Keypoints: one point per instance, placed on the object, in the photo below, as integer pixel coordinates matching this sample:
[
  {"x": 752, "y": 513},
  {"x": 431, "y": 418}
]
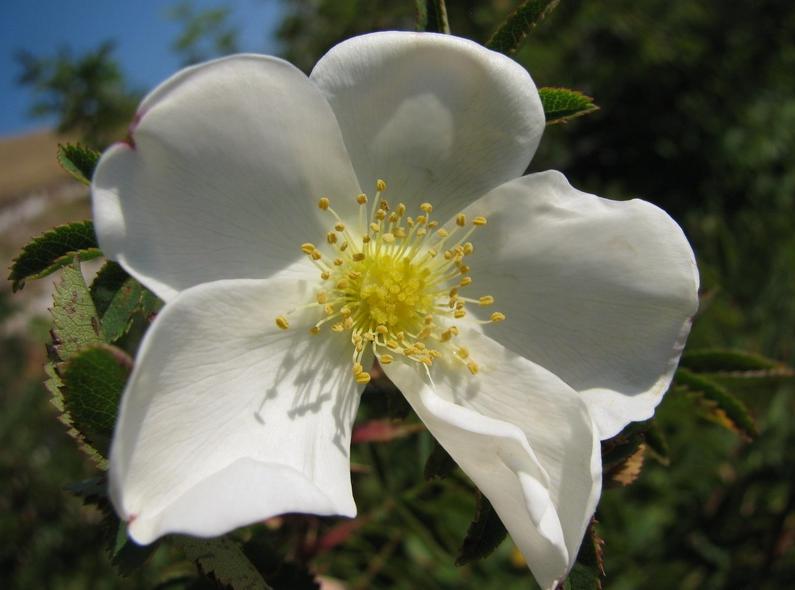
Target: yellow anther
[
  {"x": 433, "y": 224},
  {"x": 428, "y": 320},
  {"x": 343, "y": 246},
  {"x": 427, "y": 207},
  {"x": 463, "y": 269},
  {"x": 363, "y": 377},
  {"x": 442, "y": 233},
  {"x": 399, "y": 232},
  {"x": 357, "y": 368},
  {"x": 331, "y": 237},
  {"x": 325, "y": 275},
  {"x": 380, "y": 185},
  {"x": 421, "y": 219},
  {"x": 365, "y": 239},
  {"x": 461, "y": 220},
  {"x": 497, "y": 316},
  {"x": 354, "y": 275},
  {"x": 473, "y": 367},
  {"x": 448, "y": 254},
  {"x": 361, "y": 199},
  {"x": 468, "y": 248},
  {"x": 359, "y": 256},
  {"x": 394, "y": 217},
  {"x": 385, "y": 359},
  {"x": 454, "y": 330},
  {"x": 314, "y": 330},
  {"x": 479, "y": 220},
  {"x": 328, "y": 309},
  {"x": 465, "y": 281},
  {"x": 453, "y": 292},
  {"x": 486, "y": 300},
  {"x": 446, "y": 335},
  {"x": 459, "y": 313},
  {"x": 462, "y": 352},
  {"x": 374, "y": 227},
  {"x": 338, "y": 262},
  {"x": 381, "y": 329},
  {"x": 342, "y": 284},
  {"x": 323, "y": 203},
  {"x": 391, "y": 344},
  {"x": 338, "y": 327},
  {"x": 316, "y": 255},
  {"x": 348, "y": 323},
  {"x": 388, "y": 238},
  {"x": 282, "y": 322},
  {"x": 339, "y": 226},
  {"x": 345, "y": 311},
  {"x": 321, "y": 297},
  {"x": 401, "y": 209},
  {"x": 383, "y": 205},
  {"x": 307, "y": 248},
  {"x": 380, "y": 215}
]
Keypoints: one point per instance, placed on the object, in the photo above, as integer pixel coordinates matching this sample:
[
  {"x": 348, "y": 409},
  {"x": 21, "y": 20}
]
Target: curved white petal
[
  {"x": 222, "y": 174},
  {"x": 440, "y": 118},
  {"x": 227, "y": 419},
  {"x": 599, "y": 292},
  {"x": 526, "y": 440}
]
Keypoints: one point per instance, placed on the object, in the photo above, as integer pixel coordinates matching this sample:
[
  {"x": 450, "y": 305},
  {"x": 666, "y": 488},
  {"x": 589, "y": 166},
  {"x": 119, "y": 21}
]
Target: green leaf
[
  {"x": 484, "y": 535},
  {"x": 108, "y": 281},
  {"x": 78, "y": 160},
  {"x": 93, "y": 381},
  {"x": 75, "y": 322},
  {"x": 722, "y": 406},
  {"x": 736, "y": 362},
  {"x": 432, "y": 16},
  {"x": 439, "y": 464},
  {"x": 52, "y": 250},
  {"x": 224, "y": 561},
  {"x": 563, "y": 104},
  {"x": 128, "y": 556},
  {"x": 657, "y": 443},
  {"x": 518, "y": 25},
  {"x": 118, "y": 316}
]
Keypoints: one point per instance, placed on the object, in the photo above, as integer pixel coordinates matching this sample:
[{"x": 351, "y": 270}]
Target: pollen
[{"x": 396, "y": 285}]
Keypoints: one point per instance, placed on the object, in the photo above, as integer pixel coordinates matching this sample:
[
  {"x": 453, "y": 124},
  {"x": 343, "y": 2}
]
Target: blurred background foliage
[{"x": 698, "y": 116}]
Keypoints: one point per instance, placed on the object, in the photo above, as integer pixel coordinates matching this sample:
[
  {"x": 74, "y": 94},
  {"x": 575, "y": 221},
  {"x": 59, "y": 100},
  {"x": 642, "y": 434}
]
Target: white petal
[
  {"x": 526, "y": 440},
  {"x": 599, "y": 292},
  {"x": 228, "y": 420},
  {"x": 227, "y": 162},
  {"x": 439, "y": 118}
]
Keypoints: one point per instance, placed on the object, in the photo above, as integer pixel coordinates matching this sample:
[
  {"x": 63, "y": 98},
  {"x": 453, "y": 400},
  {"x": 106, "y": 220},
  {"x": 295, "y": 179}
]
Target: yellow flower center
[{"x": 395, "y": 283}]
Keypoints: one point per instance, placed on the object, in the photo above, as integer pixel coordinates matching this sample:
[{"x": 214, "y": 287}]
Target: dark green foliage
[
  {"x": 484, "y": 535},
  {"x": 432, "y": 16},
  {"x": 92, "y": 383},
  {"x": 86, "y": 92},
  {"x": 108, "y": 281},
  {"x": 512, "y": 33},
  {"x": 53, "y": 250},
  {"x": 78, "y": 160},
  {"x": 439, "y": 464},
  {"x": 117, "y": 319},
  {"x": 720, "y": 361},
  {"x": 562, "y": 104},
  {"x": 223, "y": 560},
  {"x": 206, "y": 33}
]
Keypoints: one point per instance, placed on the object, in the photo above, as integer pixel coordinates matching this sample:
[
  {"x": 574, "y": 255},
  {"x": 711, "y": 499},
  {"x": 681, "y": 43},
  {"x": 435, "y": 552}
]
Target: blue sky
[{"x": 141, "y": 29}]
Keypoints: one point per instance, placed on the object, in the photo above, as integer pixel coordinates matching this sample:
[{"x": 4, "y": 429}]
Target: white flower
[{"x": 229, "y": 201}]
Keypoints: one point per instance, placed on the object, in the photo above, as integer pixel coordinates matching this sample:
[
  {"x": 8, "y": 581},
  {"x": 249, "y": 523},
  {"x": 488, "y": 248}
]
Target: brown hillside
[{"x": 27, "y": 164}]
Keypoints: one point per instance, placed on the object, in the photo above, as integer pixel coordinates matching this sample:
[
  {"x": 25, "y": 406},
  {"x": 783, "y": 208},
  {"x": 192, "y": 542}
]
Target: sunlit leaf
[
  {"x": 52, "y": 250},
  {"x": 222, "y": 560},
  {"x": 78, "y": 160},
  {"x": 75, "y": 321},
  {"x": 563, "y": 104},
  {"x": 484, "y": 535},
  {"x": 509, "y": 37},
  {"x": 118, "y": 316},
  {"x": 724, "y": 408},
  {"x": 108, "y": 281}
]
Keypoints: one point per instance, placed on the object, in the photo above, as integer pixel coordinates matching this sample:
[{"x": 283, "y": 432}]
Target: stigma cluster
[{"x": 395, "y": 283}]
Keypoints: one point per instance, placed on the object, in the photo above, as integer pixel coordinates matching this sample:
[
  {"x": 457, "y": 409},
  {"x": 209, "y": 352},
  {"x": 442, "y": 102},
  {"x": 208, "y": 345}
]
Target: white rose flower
[{"x": 522, "y": 319}]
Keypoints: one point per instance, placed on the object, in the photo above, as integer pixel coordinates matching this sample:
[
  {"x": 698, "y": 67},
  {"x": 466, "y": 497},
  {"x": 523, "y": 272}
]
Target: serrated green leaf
[
  {"x": 432, "y": 16},
  {"x": 621, "y": 447},
  {"x": 52, "y": 250},
  {"x": 274, "y": 568},
  {"x": 108, "y": 281},
  {"x": 439, "y": 464},
  {"x": 78, "y": 160},
  {"x": 657, "y": 443},
  {"x": 118, "y": 317},
  {"x": 223, "y": 560},
  {"x": 128, "y": 556},
  {"x": 563, "y": 104},
  {"x": 724, "y": 407},
  {"x": 75, "y": 322},
  {"x": 484, "y": 535},
  {"x": 512, "y": 33},
  {"x": 93, "y": 381}
]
